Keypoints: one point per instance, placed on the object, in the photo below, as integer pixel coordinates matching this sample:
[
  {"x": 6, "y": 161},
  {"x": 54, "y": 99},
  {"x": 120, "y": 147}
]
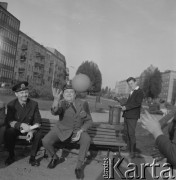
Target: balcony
[
  {"x": 24, "y": 47},
  {"x": 39, "y": 70},
  {"x": 21, "y": 70},
  {"x": 23, "y": 58},
  {"x": 39, "y": 55},
  {"x": 39, "y": 65}
]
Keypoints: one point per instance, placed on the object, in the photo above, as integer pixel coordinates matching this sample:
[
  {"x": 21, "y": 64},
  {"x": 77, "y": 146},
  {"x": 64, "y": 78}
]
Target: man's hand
[
  {"x": 151, "y": 124},
  {"x": 25, "y": 128},
  {"x": 56, "y": 93},
  {"x": 123, "y": 108},
  {"x": 35, "y": 126},
  {"x": 12, "y": 124},
  {"x": 29, "y": 136},
  {"x": 83, "y": 114},
  {"x": 77, "y": 137}
]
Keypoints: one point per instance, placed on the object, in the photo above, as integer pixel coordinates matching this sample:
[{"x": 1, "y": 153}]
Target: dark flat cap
[
  {"x": 68, "y": 85},
  {"x": 21, "y": 86}
]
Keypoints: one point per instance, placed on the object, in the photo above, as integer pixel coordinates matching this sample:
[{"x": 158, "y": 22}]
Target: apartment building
[
  {"x": 9, "y": 30},
  {"x": 168, "y": 91},
  {"x": 60, "y": 73},
  {"x": 37, "y": 64}
]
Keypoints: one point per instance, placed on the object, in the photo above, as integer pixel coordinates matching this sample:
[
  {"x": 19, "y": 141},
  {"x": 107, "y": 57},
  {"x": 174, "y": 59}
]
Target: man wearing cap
[
  {"x": 23, "y": 117},
  {"x": 74, "y": 120}
]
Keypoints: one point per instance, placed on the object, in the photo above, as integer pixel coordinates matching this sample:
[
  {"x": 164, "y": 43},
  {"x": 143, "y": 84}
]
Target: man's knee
[
  {"x": 85, "y": 138},
  {"x": 45, "y": 141}
]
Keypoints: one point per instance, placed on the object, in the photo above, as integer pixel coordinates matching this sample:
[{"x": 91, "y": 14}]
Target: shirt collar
[{"x": 136, "y": 88}]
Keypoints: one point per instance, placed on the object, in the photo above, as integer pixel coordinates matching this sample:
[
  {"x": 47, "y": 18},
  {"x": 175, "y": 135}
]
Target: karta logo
[{"x": 113, "y": 167}]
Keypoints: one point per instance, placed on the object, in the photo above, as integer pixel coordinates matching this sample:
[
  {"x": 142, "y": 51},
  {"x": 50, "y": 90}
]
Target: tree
[
  {"x": 92, "y": 71},
  {"x": 151, "y": 83}
]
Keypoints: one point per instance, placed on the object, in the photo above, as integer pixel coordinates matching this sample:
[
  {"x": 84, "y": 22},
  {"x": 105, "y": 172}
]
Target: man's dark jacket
[
  {"x": 71, "y": 120},
  {"x": 133, "y": 105},
  {"x": 29, "y": 114}
]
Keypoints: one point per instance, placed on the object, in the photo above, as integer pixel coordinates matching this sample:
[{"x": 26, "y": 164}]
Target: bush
[
  {"x": 34, "y": 93},
  {"x": 81, "y": 95}
]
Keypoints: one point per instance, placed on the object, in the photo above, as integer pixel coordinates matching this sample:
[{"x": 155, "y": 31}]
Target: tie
[
  {"x": 73, "y": 107},
  {"x": 23, "y": 105}
]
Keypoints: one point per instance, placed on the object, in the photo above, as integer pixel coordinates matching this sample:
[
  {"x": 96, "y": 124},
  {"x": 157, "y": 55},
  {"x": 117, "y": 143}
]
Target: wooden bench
[{"x": 103, "y": 135}]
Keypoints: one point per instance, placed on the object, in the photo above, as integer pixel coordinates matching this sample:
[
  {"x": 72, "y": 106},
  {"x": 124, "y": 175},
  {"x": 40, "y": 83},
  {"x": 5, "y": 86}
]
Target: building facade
[
  {"x": 37, "y": 64},
  {"x": 60, "y": 71},
  {"x": 168, "y": 91},
  {"x": 9, "y": 30}
]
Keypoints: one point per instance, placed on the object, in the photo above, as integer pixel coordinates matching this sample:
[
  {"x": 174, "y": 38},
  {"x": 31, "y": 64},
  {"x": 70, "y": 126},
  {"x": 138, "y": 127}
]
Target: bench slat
[{"x": 122, "y": 144}]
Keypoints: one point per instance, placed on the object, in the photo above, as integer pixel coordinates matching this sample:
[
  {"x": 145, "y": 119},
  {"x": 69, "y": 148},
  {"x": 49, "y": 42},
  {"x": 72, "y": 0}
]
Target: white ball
[{"x": 81, "y": 83}]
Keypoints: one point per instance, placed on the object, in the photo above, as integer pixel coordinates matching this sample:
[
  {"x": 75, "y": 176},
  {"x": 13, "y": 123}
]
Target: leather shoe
[
  {"x": 9, "y": 161},
  {"x": 53, "y": 163},
  {"x": 33, "y": 162},
  {"x": 79, "y": 173}
]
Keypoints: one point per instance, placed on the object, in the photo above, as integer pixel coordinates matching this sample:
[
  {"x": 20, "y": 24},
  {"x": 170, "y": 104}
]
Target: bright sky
[{"x": 123, "y": 37}]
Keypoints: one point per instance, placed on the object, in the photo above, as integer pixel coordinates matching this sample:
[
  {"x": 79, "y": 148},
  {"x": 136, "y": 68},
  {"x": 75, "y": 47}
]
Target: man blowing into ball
[{"x": 74, "y": 120}]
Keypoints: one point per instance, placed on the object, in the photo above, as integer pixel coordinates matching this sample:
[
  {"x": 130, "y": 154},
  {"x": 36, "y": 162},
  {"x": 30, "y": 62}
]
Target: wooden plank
[
  {"x": 121, "y": 144},
  {"x": 49, "y": 120},
  {"x": 105, "y": 136},
  {"x": 102, "y": 129},
  {"x": 107, "y": 139},
  {"x": 102, "y": 134}
]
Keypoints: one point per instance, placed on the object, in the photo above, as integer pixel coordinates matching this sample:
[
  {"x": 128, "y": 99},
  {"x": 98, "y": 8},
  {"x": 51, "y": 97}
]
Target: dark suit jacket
[
  {"x": 133, "y": 105},
  {"x": 2, "y": 113},
  {"x": 29, "y": 114},
  {"x": 70, "y": 120}
]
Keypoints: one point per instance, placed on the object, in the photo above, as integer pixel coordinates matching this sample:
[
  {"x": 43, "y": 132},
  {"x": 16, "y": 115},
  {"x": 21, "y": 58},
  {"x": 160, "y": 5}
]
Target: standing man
[
  {"x": 23, "y": 117},
  {"x": 74, "y": 120},
  {"x": 2, "y": 121},
  {"x": 131, "y": 113}
]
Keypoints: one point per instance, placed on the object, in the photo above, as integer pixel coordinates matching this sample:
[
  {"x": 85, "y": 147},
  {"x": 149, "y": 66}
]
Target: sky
[{"x": 123, "y": 37}]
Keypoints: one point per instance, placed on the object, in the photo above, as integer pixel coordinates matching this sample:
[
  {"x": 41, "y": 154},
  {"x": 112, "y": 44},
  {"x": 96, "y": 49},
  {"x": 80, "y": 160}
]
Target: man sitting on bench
[
  {"x": 74, "y": 120},
  {"x": 23, "y": 117}
]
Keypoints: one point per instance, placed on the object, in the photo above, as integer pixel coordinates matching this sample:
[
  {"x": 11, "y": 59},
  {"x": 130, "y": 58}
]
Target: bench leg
[
  {"x": 108, "y": 153},
  {"x": 119, "y": 151}
]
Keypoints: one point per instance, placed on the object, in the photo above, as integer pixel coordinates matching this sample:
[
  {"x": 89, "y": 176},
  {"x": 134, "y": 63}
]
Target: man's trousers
[
  {"x": 129, "y": 132},
  {"x": 51, "y": 138},
  {"x": 10, "y": 138}
]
